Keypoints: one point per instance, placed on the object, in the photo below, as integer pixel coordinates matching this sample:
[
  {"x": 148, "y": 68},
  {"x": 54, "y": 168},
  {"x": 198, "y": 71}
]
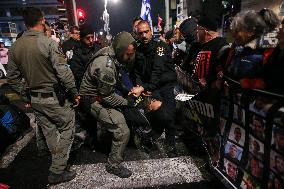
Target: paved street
[
  {"x": 152, "y": 170},
  {"x": 22, "y": 168}
]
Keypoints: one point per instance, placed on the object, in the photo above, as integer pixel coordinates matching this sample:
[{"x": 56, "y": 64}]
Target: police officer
[
  {"x": 98, "y": 89},
  {"x": 155, "y": 73},
  {"x": 39, "y": 61}
]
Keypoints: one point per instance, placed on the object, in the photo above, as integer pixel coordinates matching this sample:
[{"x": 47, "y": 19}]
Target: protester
[
  {"x": 247, "y": 28},
  {"x": 188, "y": 32},
  {"x": 37, "y": 58}
]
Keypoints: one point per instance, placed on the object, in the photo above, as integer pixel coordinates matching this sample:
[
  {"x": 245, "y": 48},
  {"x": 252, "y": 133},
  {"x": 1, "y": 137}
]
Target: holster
[{"x": 60, "y": 92}]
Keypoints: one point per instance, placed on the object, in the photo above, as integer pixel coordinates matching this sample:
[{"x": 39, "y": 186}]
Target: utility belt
[{"x": 42, "y": 94}]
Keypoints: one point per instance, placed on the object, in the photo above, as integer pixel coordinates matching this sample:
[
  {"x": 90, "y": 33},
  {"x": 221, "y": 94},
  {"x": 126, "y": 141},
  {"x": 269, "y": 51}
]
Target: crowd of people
[{"x": 86, "y": 83}]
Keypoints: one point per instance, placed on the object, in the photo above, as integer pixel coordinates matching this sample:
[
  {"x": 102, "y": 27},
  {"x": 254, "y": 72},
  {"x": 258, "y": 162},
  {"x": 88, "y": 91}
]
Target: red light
[{"x": 80, "y": 13}]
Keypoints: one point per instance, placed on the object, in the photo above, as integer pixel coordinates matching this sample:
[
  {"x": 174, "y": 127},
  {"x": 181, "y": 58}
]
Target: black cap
[
  {"x": 209, "y": 22},
  {"x": 169, "y": 34},
  {"x": 86, "y": 29},
  {"x": 188, "y": 29}
]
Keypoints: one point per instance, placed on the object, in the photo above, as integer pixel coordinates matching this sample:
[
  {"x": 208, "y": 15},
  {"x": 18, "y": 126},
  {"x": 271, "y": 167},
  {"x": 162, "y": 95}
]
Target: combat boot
[
  {"x": 67, "y": 175},
  {"x": 119, "y": 171}
]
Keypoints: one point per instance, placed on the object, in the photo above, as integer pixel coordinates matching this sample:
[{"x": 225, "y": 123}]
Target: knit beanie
[{"x": 85, "y": 30}]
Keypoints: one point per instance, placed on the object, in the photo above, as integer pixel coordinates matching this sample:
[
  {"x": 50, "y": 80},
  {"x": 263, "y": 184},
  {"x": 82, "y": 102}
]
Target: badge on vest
[{"x": 160, "y": 51}]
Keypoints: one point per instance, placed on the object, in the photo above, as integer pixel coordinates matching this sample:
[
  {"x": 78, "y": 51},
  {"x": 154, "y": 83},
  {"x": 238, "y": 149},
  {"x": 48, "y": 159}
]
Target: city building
[{"x": 11, "y": 10}]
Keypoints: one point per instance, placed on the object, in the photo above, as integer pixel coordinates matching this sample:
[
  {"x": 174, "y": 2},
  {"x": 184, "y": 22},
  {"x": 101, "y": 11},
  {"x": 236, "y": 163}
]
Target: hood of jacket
[{"x": 120, "y": 44}]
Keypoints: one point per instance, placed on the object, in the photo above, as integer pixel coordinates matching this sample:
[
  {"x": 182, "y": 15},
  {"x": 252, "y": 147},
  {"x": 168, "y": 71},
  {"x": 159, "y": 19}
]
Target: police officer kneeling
[
  {"x": 98, "y": 88},
  {"x": 38, "y": 59}
]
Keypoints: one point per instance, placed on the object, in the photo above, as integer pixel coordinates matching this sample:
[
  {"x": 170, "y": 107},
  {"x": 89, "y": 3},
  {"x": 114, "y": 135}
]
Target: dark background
[{"x": 121, "y": 13}]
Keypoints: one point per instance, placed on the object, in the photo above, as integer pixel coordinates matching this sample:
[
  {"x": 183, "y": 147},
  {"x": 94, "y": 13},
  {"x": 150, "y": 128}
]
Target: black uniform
[
  {"x": 80, "y": 61},
  {"x": 155, "y": 71},
  {"x": 70, "y": 44}
]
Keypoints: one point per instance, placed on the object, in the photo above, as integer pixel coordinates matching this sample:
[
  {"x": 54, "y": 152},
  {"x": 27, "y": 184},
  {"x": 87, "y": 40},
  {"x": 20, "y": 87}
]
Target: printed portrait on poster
[
  {"x": 239, "y": 114},
  {"x": 277, "y": 140},
  {"x": 257, "y": 125},
  {"x": 274, "y": 182},
  {"x": 277, "y": 164},
  {"x": 233, "y": 151},
  {"x": 231, "y": 169},
  {"x": 256, "y": 147},
  {"x": 237, "y": 134},
  {"x": 255, "y": 166},
  {"x": 248, "y": 182},
  {"x": 258, "y": 106}
]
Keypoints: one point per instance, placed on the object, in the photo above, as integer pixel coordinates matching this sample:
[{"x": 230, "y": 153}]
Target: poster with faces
[
  {"x": 231, "y": 169},
  {"x": 277, "y": 141},
  {"x": 257, "y": 125},
  {"x": 237, "y": 134},
  {"x": 258, "y": 106},
  {"x": 239, "y": 114},
  {"x": 256, "y": 148},
  {"x": 255, "y": 166},
  {"x": 237, "y": 98},
  {"x": 224, "y": 109},
  {"x": 222, "y": 125},
  {"x": 233, "y": 151},
  {"x": 248, "y": 182},
  {"x": 277, "y": 164}
]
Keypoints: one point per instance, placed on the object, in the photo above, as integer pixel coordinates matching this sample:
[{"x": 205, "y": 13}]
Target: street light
[{"x": 106, "y": 19}]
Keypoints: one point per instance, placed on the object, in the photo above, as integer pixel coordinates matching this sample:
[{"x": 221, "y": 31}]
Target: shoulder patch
[{"x": 160, "y": 51}]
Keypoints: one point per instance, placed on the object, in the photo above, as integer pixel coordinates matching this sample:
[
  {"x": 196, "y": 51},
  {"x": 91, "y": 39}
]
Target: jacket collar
[{"x": 32, "y": 32}]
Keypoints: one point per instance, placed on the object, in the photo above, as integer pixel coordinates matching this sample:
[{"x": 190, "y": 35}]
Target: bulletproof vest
[{"x": 36, "y": 68}]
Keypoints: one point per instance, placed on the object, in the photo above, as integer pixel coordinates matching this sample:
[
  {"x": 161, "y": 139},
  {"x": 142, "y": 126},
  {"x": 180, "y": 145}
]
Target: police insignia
[{"x": 160, "y": 51}]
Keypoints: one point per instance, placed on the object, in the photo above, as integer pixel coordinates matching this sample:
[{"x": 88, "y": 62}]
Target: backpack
[{"x": 14, "y": 123}]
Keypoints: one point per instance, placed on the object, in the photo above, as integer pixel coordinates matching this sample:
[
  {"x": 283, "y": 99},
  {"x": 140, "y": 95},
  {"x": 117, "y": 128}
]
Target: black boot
[
  {"x": 63, "y": 177},
  {"x": 119, "y": 171}
]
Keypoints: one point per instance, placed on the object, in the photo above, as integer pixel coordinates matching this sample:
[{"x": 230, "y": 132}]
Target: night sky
[{"x": 121, "y": 13}]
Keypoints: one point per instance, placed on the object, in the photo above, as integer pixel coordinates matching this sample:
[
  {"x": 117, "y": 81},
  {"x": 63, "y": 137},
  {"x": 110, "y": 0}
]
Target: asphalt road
[{"x": 21, "y": 168}]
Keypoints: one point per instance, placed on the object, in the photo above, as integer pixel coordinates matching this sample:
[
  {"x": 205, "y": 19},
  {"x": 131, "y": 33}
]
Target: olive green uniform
[
  {"x": 40, "y": 62},
  {"x": 99, "y": 82}
]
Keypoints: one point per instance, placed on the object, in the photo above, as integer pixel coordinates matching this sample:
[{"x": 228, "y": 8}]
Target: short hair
[
  {"x": 137, "y": 18},
  {"x": 32, "y": 16},
  {"x": 72, "y": 28},
  {"x": 256, "y": 22},
  {"x": 144, "y": 22},
  {"x": 2, "y": 43}
]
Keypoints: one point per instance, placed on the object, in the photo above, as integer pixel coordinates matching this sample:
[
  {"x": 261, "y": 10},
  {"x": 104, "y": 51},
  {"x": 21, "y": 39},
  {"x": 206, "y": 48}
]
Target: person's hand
[
  {"x": 154, "y": 105},
  {"x": 76, "y": 101},
  {"x": 136, "y": 91}
]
